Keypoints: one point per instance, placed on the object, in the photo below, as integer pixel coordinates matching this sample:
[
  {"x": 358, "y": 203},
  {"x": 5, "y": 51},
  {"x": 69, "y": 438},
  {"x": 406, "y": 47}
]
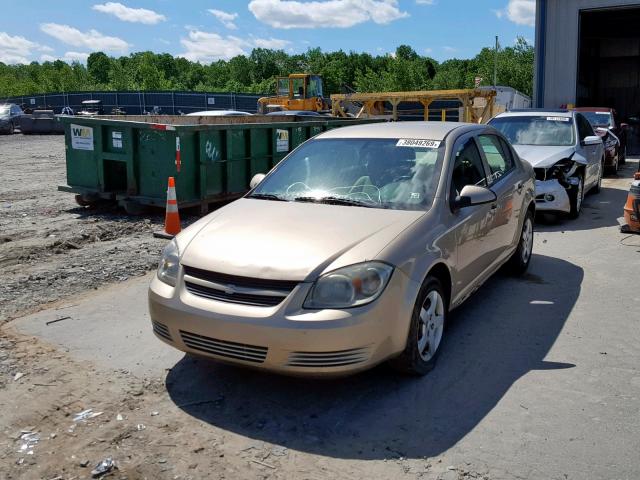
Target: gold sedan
[{"x": 350, "y": 252}]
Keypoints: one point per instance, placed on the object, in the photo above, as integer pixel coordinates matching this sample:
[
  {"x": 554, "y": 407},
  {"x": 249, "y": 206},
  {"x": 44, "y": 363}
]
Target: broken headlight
[{"x": 561, "y": 171}]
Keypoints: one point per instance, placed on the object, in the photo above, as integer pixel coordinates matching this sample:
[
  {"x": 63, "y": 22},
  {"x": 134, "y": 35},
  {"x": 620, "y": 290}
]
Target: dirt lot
[
  {"x": 546, "y": 386},
  {"x": 51, "y": 248}
]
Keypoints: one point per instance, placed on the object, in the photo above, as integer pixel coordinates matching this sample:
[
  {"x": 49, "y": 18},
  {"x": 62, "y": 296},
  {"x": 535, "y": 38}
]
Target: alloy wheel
[
  {"x": 527, "y": 240},
  {"x": 580, "y": 193},
  {"x": 430, "y": 325}
]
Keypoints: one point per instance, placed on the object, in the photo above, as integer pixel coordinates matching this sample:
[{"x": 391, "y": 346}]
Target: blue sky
[{"x": 207, "y": 30}]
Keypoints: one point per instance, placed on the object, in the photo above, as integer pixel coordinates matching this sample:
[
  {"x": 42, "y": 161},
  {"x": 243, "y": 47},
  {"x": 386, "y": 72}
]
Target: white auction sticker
[
  {"x": 558, "y": 119},
  {"x": 412, "y": 142}
]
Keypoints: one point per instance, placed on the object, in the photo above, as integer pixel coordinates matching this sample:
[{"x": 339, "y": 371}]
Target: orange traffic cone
[{"x": 172, "y": 217}]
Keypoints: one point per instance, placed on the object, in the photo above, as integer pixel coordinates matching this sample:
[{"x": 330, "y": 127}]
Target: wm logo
[{"x": 81, "y": 132}]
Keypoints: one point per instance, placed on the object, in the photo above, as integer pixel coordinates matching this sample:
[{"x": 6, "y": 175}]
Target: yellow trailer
[{"x": 478, "y": 105}]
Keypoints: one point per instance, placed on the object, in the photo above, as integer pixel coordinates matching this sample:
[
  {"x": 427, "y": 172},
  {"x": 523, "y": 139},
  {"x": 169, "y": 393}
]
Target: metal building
[{"x": 588, "y": 54}]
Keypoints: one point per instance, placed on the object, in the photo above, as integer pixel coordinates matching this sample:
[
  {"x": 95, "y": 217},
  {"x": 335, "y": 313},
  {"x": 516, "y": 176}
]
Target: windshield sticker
[
  {"x": 411, "y": 142},
  {"x": 558, "y": 119}
]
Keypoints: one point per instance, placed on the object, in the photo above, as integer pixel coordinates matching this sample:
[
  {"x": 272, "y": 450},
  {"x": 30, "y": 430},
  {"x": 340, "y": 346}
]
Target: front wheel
[
  {"x": 426, "y": 331},
  {"x": 519, "y": 261},
  {"x": 576, "y": 196}
]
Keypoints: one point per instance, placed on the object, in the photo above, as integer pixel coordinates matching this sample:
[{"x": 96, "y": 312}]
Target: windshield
[
  {"x": 598, "y": 119},
  {"x": 536, "y": 130},
  {"x": 315, "y": 87},
  {"x": 377, "y": 173}
]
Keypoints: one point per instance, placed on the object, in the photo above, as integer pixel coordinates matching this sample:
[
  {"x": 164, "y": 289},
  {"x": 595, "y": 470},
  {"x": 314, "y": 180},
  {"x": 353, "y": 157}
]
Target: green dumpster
[{"x": 128, "y": 159}]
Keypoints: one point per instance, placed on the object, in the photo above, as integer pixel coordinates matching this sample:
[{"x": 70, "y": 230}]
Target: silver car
[
  {"x": 350, "y": 252},
  {"x": 567, "y": 155}
]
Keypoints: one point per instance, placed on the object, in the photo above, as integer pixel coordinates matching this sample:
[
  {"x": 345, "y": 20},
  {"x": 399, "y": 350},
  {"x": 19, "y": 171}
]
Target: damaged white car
[{"x": 566, "y": 154}]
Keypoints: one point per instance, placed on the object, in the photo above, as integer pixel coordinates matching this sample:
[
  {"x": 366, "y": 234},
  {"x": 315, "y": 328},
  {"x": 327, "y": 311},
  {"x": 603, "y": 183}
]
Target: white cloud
[
  {"x": 325, "y": 13},
  {"x": 127, "y": 14},
  {"x": 225, "y": 18},
  {"x": 272, "y": 43},
  {"x": 92, "y": 39},
  {"x": 75, "y": 57},
  {"x": 426, "y": 2},
  {"x": 208, "y": 47},
  {"x": 449, "y": 49},
  {"x": 68, "y": 57},
  {"x": 522, "y": 12},
  {"x": 16, "y": 49}
]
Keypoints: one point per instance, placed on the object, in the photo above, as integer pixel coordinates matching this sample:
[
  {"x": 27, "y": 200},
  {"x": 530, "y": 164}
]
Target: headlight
[
  {"x": 349, "y": 286},
  {"x": 562, "y": 170},
  {"x": 169, "y": 264}
]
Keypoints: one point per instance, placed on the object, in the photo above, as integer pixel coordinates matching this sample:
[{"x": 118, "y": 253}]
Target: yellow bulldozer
[{"x": 298, "y": 91}]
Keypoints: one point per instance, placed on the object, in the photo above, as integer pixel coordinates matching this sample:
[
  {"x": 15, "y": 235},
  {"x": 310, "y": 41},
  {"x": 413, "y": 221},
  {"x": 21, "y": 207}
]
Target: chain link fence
[{"x": 140, "y": 103}]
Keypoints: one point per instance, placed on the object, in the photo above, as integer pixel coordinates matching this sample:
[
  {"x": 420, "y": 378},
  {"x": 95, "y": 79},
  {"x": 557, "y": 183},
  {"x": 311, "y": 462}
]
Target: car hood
[
  {"x": 543, "y": 157},
  {"x": 289, "y": 240}
]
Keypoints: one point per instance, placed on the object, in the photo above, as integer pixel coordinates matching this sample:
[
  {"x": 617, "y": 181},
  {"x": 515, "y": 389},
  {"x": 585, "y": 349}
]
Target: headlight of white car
[
  {"x": 349, "y": 286},
  {"x": 169, "y": 264}
]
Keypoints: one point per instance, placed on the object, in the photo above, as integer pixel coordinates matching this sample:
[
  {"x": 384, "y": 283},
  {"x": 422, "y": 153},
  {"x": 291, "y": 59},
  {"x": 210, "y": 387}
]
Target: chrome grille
[
  {"x": 161, "y": 330},
  {"x": 328, "y": 359},
  {"x": 222, "y": 348},
  {"x": 234, "y": 289}
]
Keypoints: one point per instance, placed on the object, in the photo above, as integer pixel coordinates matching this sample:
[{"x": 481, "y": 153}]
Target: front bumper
[
  {"x": 286, "y": 338},
  {"x": 552, "y": 196}
]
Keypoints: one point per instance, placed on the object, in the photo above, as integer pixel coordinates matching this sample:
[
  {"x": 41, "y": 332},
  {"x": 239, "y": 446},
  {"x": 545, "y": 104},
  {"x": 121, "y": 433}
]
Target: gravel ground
[{"x": 50, "y": 247}]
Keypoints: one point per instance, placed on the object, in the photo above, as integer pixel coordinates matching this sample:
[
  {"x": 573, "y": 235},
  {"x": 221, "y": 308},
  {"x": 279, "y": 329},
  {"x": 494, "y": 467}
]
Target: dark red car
[{"x": 606, "y": 124}]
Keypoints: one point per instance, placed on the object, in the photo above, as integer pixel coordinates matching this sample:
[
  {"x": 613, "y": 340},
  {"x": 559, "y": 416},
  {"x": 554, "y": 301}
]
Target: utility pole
[{"x": 495, "y": 64}]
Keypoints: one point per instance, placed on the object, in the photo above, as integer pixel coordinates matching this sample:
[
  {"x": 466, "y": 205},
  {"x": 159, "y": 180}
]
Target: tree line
[{"x": 405, "y": 70}]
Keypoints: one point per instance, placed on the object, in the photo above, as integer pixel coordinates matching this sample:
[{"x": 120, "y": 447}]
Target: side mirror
[
  {"x": 474, "y": 195},
  {"x": 624, "y": 126},
  {"x": 257, "y": 178},
  {"x": 592, "y": 140}
]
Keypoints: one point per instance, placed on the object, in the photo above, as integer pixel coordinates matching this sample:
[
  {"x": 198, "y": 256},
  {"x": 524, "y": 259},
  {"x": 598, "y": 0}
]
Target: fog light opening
[{"x": 549, "y": 198}]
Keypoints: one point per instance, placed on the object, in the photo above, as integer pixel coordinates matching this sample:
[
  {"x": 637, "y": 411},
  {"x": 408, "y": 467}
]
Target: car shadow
[
  {"x": 598, "y": 211},
  {"x": 493, "y": 339}
]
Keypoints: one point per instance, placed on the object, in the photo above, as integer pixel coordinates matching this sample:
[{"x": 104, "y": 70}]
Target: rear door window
[{"x": 499, "y": 161}]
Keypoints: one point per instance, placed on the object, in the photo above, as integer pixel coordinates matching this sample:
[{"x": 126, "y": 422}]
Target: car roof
[
  {"x": 536, "y": 112},
  {"x": 217, "y": 113},
  {"x": 412, "y": 130},
  {"x": 594, "y": 109}
]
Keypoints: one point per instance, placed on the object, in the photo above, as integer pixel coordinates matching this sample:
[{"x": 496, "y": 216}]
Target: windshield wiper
[
  {"x": 267, "y": 196},
  {"x": 334, "y": 201}
]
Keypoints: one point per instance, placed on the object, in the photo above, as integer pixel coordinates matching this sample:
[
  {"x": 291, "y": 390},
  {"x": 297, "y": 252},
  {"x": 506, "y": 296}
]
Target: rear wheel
[
  {"x": 12, "y": 128},
  {"x": 519, "y": 261},
  {"x": 426, "y": 331},
  {"x": 576, "y": 196}
]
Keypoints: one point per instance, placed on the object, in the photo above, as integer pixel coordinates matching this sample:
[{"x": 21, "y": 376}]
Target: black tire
[
  {"x": 613, "y": 169},
  {"x": 622, "y": 155},
  {"x": 12, "y": 128},
  {"x": 84, "y": 201},
  {"x": 519, "y": 261},
  {"x": 576, "y": 196},
  {"x": 411, "y": 361},
  {"x": 135, "y": 209},
  {"x": 598, "y": 186}
]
